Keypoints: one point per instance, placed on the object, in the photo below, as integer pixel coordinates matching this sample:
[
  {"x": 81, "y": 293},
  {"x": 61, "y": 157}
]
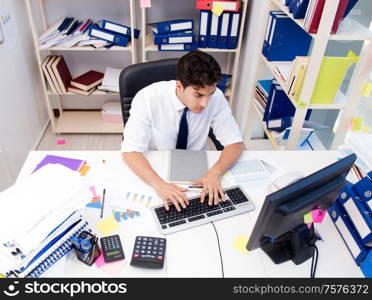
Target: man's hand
[
  {"x": 171, "y": 192},
  {"x": 212, "y": 187}
]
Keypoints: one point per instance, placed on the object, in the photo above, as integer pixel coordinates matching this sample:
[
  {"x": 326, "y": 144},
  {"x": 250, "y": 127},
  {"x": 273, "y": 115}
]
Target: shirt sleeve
[
  {"x": 224, "y": 125},
  {"x": 137, "y": 130}
]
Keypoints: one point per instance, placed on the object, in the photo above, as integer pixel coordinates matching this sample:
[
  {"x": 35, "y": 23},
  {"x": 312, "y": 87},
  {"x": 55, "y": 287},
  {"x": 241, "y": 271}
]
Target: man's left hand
[{"x": 212, "y": 187}]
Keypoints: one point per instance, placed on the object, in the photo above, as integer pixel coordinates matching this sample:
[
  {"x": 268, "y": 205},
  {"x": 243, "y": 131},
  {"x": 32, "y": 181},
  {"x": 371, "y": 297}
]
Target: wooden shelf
[
  {"x": 85, "y": 122},
  {"x": 349, "y": 29},
  {"x": 128, "y": 48},
  {"x": 338, "y": 103},
  {"x": 151, "y": 47},
  {"x": 95, "y": 93}
]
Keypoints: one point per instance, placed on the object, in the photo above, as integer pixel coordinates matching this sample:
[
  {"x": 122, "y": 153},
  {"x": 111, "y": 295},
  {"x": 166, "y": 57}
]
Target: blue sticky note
[{"x": 94, "y": 204}]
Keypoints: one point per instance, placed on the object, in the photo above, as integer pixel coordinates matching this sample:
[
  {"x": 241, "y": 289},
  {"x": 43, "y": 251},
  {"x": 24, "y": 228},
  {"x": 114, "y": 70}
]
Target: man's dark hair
[{"x": 198, "y": 69}]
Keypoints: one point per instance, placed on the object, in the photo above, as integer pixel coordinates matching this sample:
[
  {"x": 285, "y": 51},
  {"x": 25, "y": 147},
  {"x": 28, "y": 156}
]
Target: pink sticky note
[
  {"x": 309, "y": 225},
  {"x": 318, "y": 215},
  {"x": 93, "y": 190},
  {"x": 145, "y": 3},
  {"x": 100, "y": 260},
  {"x": 61, "y": 142}
]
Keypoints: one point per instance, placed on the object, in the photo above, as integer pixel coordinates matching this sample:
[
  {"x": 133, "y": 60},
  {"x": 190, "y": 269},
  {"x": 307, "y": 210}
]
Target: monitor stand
[{"x": 296, "y": 245}]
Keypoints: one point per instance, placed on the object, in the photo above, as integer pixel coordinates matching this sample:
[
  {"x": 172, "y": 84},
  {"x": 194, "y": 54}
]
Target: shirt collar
[{"x": 178, "y": 105}]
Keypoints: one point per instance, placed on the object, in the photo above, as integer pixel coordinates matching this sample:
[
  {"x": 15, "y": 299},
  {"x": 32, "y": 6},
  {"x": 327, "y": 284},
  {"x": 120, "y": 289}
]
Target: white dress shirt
[{"x": 155, "y": 117}]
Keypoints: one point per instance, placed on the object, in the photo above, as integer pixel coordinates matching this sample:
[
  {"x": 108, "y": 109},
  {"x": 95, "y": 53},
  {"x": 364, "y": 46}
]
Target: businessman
[{"x": 178, "y": 114}]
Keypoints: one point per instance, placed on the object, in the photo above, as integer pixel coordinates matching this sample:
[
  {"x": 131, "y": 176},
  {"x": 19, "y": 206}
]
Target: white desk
[{"x": 194, "y": 252}]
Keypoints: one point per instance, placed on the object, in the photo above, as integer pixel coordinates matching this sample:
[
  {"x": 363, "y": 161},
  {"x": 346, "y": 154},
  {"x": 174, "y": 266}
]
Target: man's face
[{"x": 196, "y": 99}]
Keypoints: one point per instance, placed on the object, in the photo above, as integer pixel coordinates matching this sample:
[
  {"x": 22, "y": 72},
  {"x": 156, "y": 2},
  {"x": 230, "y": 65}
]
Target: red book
[
  {"x": 76, "y": 90},
  {"x": 315, "y": 21},
  {"x": 88, "y": 80},
  {"x": 227, "y": 5},
  {"x": 62, "y": 73}
]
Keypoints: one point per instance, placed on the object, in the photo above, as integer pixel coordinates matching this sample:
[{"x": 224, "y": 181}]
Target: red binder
[
  {"x": 227, "y": 5},
  {"x": 314, "y": 24}
]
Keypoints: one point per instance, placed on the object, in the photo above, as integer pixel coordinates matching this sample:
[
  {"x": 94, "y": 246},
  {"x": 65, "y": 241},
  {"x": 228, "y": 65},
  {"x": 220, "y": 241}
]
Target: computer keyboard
[{"x": 197, "y": 213}]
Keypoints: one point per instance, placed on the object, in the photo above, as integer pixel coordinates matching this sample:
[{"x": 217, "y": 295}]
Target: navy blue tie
[{"x": 183, "y": 132}]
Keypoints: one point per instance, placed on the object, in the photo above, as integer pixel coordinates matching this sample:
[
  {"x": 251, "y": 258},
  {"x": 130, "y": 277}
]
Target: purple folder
[{"x": 73, "y": 164}]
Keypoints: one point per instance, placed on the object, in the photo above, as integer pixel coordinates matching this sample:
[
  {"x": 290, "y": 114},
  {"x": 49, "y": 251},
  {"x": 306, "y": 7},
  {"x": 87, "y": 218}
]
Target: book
[
  {"x": 47, "y": 75},
  {"x": 88, "y": 80},
  {"x": 187, "y": 166},
  {"x": 62, "y": 73},
  {"x": 78, "y": 91},
  {"x": 71, "y": 163},
  {"x": 52, "y": 74}
]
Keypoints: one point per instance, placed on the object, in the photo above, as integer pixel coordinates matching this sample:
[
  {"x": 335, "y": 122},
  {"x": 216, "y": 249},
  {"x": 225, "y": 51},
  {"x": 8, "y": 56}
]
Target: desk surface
[{"x": 194, "y": 252}]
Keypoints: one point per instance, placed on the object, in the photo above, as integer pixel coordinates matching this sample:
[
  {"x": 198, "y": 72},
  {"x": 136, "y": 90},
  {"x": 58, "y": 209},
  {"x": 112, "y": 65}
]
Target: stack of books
[
  {"x": 86, "y": 83},
  {"x": 219, "y": 24},
  {"x": 262, "y": 94},
  {"x": 68, "y": 32},
  {"x": 174, "y": 35}
]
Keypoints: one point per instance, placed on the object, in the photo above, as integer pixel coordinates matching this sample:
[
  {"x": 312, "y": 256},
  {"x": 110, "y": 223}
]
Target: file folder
[
  {"x": 177, "y": 47},
  {"x": 232, "y": 39},
  {"x": 300, "y": 8},
  {"x": 268, "y": 29},
  {"x": 291, "y": 5},
  {"x": 117, "y": 39},
  {"x": 213, "y": 34},
  {"x": 204, "y": 25},
  {"x": 279, "y": 124},
  {"x": 209, "y": 4},
  {"x": 348, "y": 233},
  {"x": 364, "y": 190},
  {"x": 119, "y": 28},
  {"x": 173, "y": 25},
  {"x": 223, "y": 30},
  {"x": 174, "y": 38}
]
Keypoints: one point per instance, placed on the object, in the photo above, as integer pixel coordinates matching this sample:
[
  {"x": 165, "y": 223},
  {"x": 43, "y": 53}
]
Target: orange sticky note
[
  {"x": 217, "y": 9},
  {"x": 84, "y": 170}
]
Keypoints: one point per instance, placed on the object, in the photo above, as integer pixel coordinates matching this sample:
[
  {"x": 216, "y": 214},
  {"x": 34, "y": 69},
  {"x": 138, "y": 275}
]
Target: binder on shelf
[
  {"x": 119, "y": 28},
  {"x": 177, "y": 47},
  {"x": 224, "y": 82},
  {"x": 349, "y": 7},
  {"x": 279, "y": 124},
  {"x": 268, "y": 29},
  {"x": 291, "y": 5},
  {"x": 204, "y": 25},
  {"x": 209, "y": 4},
  {"x": 364, "y": 190},
  {"x": 300, "y": 8},
  {"x": 173, "y": 25},
  {"x": 174, "y": 38},
  {"x": 348, "y": 233},
  {"x": 115, "y": 38},
  {"x": 366, "y": 267},
  {"x": 223, "y": 30},
  {"x": 232, "y": 39},
  {"x": 284, "y": 40},
  {"x": 213, "y": 33}
]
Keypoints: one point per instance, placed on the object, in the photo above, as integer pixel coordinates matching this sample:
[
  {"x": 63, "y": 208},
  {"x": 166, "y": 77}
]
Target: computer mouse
[{"x": 285, "y": 180}]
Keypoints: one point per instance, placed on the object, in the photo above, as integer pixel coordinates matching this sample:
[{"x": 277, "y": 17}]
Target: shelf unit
[
  {"x": 233, "y": 54},
  {"x": 349, "y": 30},
  {"x": 76, "y": 121}
]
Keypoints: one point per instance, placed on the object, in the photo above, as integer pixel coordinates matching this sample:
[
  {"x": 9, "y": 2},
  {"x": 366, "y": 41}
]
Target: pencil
[{"x": 103, "y": 202}]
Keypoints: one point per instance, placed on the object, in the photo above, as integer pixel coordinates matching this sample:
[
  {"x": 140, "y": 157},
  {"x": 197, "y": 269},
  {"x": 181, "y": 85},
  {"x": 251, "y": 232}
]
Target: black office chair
[{"x": 136, "y": 77}]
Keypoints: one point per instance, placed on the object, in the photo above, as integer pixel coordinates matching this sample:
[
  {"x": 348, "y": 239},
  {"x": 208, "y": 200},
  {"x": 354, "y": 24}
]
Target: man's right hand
[{"x": 169, "y": 192}]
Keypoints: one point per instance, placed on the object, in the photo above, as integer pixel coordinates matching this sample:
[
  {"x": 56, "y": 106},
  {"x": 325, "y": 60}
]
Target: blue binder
[
  {"x": 300, "y": 8},
  {"x": 366, "y": 267},
  {"x": 291, "y": 5},
  {"x": 223, "y": 30},
  {"x": 204, "y": 26},
  {"x": 115, "y": 38},
  {"x": 174, "y": 38},
  {"x": 222, "y": 84},
  {"x": 177, "y": 47},
  {"x": 173, "y": 25},
  {"x": 349, "y": 7},
  {"x": 213, "y": 31},
  {"x": 287, "y": 40},
  {"x": 119, "y": 28},
  {"x": 358, "y": 213},
  {"x": 348, "y": 233},
  {"x": 232, "y": 39},
  {"x": 279, "y": 124},
  {"x": 268, "y": 29},
  {"x": 364, "y": 190}
]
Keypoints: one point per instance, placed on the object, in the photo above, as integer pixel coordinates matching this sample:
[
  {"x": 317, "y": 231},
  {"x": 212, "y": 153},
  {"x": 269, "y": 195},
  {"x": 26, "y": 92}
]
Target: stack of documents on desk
[
  {"x": 35, "y": 206},
  {"x": 249, "y": 171}
]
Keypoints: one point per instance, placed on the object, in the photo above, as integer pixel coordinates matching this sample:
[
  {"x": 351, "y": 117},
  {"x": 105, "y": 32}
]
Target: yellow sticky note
[
  {"x": 301, "y": 104},
  {"x": 357, "y": 124},
  {"x": 217, "y": 9},
  {"x": 240, "y": 244},
  {"x": 366, "y": 91},
  {"x": 84, "y": 170},
  {"x": 108, "y": 225},
  {"x": 308, "y": 218},
  {"x": 2, "y": 276},
  {"x": 353, "y": 56}
]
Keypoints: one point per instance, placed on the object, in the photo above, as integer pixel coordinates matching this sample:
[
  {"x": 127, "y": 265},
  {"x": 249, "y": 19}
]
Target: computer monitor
[{"x": 280, "y": 230}]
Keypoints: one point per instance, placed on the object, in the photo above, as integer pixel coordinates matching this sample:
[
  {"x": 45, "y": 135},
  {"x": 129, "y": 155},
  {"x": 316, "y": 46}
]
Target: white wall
[{"x": 22, "y": 109}]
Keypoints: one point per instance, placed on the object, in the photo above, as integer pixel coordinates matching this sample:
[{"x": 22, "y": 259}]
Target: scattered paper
[
  {"x": 240, "y": 244},
  {"x": 217, "y": 9},
  {"x": 108, "y": 225},
  {"x": 61, "y": 142},
  {"x": 145, "y": 3}
]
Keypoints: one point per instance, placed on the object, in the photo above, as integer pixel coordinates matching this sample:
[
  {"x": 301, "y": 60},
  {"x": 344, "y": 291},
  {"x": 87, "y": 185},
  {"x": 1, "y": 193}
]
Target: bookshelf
[
  {"x": 233, "y": 55},
  {"x": 75, "y": 121},
  {"x": 345, "y": 104}
]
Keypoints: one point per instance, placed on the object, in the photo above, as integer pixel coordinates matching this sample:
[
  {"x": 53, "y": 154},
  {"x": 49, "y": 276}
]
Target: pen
[
  {"x": 195, "y": 186},
  {"x": 103, "y": 202}
]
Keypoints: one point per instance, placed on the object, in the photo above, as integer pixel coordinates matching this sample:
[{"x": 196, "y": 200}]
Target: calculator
[
  {"x": 148, "y": 252},
  {"x": 112, "y": 249}
]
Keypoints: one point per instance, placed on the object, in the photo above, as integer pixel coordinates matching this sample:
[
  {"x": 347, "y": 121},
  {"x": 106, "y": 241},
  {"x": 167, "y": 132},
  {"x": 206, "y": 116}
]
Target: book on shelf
[
  {"x": 52, "y": 74},
  {"x": 88, "y": 80},
  {"x": 62, "y": 73},
  {"x": 75, "y": 90},
  {"x": 47, "y": 74}
]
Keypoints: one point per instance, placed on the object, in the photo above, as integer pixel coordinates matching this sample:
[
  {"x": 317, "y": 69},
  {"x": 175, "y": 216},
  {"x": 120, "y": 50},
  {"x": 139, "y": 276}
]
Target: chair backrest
[{"x": 136, "y": 77}]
